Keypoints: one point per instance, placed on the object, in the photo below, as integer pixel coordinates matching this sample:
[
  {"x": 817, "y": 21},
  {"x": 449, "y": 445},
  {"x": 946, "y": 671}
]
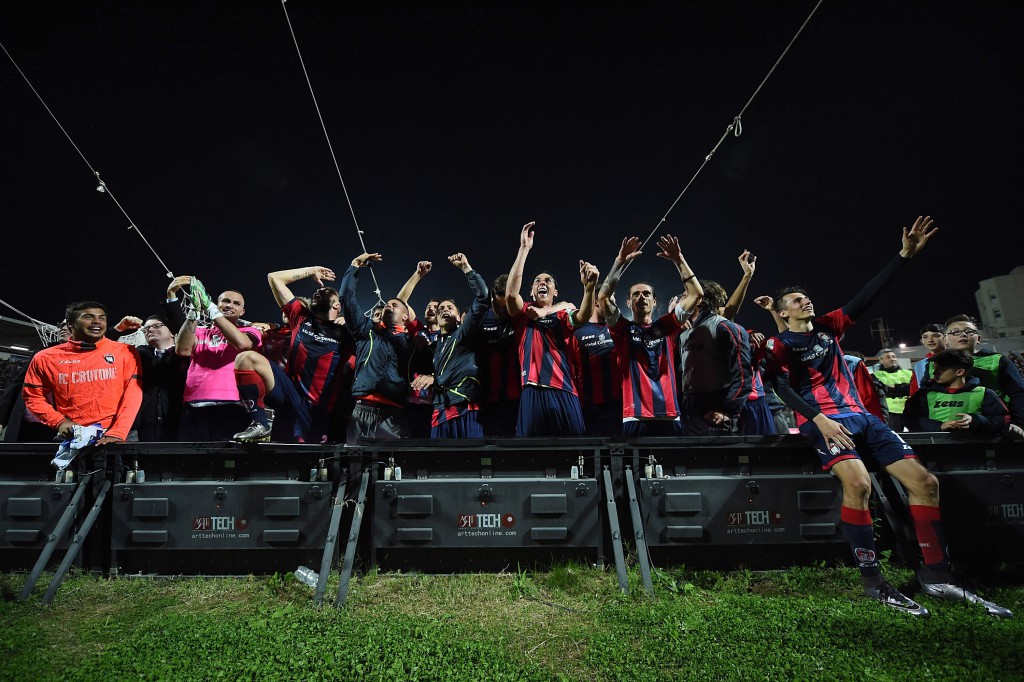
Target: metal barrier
[
  {"x": 981, "y": 485},
  {"x": 224, "y": 508},
  {"x": 31, "y": 504},
  {"x": 220, "y": 509},
  {"x": 706, "y": 501},
  {"x": 460, "y": 505}
]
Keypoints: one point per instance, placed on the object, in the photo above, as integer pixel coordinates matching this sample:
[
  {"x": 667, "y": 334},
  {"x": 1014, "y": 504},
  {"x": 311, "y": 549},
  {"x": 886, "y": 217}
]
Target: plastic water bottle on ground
[{"x": 307, "y": 576}]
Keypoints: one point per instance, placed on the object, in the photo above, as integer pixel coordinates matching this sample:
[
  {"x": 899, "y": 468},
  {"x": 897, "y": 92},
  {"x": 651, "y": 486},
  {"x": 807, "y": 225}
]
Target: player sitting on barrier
[
  {"x": 954, "y": 400},
  {"x": 810, "y": 375},
  {"x": 648, "y": 349},
  {"x": 317, "y": 368}
]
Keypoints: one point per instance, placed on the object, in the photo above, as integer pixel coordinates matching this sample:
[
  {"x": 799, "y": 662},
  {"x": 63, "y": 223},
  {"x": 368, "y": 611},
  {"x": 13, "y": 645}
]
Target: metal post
[
  {"x": 76, "y": 544},
  {"x": 638, "y": 532},
  {"x": 613, "y": 523},
  {"x": 63, "y": 524},
  {"x": 899, "y": 531},
  {"x": 353, "y": 539},
  {"x": 332, "y": 542}
]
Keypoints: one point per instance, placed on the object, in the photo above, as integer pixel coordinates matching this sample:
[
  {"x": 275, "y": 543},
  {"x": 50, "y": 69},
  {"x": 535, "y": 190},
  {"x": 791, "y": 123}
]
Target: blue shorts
[
  {"x": 549, "y": 412},
  {"x": 638, "y": 428},
  {"x": 603, "y": 419},
  {"x": 310, "y": 423},
  {"x": 871, "y": 436},
  {"x": 466, "y": 426},
  {"x": 756, "y": 418}
]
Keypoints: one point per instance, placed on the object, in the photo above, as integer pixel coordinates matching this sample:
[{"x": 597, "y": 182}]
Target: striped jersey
[
  {"x": 548, "y": 354},
  {"x": 498, "y": 359},
  {"x": 600, "y": 381},
  {"x": 320, "y": 357},
  {"x": 813, "y": 362},
  {"x": 647, "y": 357}
]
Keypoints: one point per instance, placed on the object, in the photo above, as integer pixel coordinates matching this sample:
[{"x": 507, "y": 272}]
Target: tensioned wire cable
[
  {"x": 330, "y": 147},
  {"x": 736, "y": 128},
  {"x": 102, "y": 186}
]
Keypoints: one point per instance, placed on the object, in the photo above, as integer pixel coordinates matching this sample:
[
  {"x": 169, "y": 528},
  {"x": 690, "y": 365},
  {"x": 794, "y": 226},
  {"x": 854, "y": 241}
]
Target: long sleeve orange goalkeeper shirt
[{"x": 89, "y": 384}]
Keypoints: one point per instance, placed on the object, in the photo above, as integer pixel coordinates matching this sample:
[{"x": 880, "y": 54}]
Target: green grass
[{"x": 569, "y": 623}]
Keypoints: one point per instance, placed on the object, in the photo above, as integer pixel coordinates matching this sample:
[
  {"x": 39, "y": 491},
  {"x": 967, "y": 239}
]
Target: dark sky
[{"x": 455, "y": 124}]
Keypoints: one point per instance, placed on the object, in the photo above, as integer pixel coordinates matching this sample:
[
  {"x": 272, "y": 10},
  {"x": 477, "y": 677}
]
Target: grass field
[{"x": 567, "y": 624}]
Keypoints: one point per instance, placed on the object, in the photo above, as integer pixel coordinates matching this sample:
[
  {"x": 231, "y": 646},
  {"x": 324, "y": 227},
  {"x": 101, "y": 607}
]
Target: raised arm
[
  {"x": 422, "y": 270},
  {"x": 914, "y": 240},
  {"x": 513, "y": 300},
  {"x": 629, "y": 251},
  {"x": 280, "y": 280},
  {"x": 747, "y": 264},
  {"x": 481, "y": 294},
  {"x": 353, "y": 313},
  {"x": 693, "y": 292},
  {"x": 185, "y": 339},
  {"x": 768, "y": 303},
  {"x": 588, "y": 277}
]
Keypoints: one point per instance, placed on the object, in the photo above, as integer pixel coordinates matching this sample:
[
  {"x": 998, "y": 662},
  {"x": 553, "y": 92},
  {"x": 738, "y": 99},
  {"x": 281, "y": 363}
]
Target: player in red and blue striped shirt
[
  {"x": 498, "y": 366},
  {"x": 600, "y": 380},
  {"x": 318, "y": 368},
  {"x": 648, "y": 349},
  {"x": 548, "y": 354},
  {"x": 806, "y": 364}
]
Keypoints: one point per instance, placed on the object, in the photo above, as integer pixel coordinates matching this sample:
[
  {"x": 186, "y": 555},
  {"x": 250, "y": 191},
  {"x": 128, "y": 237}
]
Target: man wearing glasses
[
  {"x": 163, "y": 383},
  {"x": 993, "y": 369}
]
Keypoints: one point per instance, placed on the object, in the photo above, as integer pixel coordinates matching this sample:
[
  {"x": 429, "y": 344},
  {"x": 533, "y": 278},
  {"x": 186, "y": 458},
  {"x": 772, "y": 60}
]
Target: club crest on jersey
[
  {"x": 771, "y": 344},
  {"x": 109, "y": 357}
]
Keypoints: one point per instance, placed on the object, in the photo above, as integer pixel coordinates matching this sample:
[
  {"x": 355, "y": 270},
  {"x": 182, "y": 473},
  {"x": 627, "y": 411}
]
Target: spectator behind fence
[
  {"x": 953, "y": 400},
  {"x": 22, "y": 425},
  {"x": 89, "y": 379},
  {"x": 993, "y": 370},
  {"x": 212, "y": 410},
  {"x": 896, "y": 381},
  {"x": 932, "y": 339}
]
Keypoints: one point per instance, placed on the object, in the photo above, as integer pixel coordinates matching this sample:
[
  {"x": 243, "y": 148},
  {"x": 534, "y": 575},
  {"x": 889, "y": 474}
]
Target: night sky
[{"x": 455, "y": 124}]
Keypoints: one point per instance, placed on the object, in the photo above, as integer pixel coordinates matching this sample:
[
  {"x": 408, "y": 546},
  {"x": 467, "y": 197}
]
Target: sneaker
[
  {"x": 254, "y": 434},
  {"x": 956, "y": 593},
  {"x": 893, "y": 598}
]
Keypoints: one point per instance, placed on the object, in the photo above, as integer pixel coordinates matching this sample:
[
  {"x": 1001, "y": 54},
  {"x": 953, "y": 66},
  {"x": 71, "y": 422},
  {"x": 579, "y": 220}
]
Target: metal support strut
[
  {"x": 613, "y": 523},
  {"x": 353, "y": 539}
]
